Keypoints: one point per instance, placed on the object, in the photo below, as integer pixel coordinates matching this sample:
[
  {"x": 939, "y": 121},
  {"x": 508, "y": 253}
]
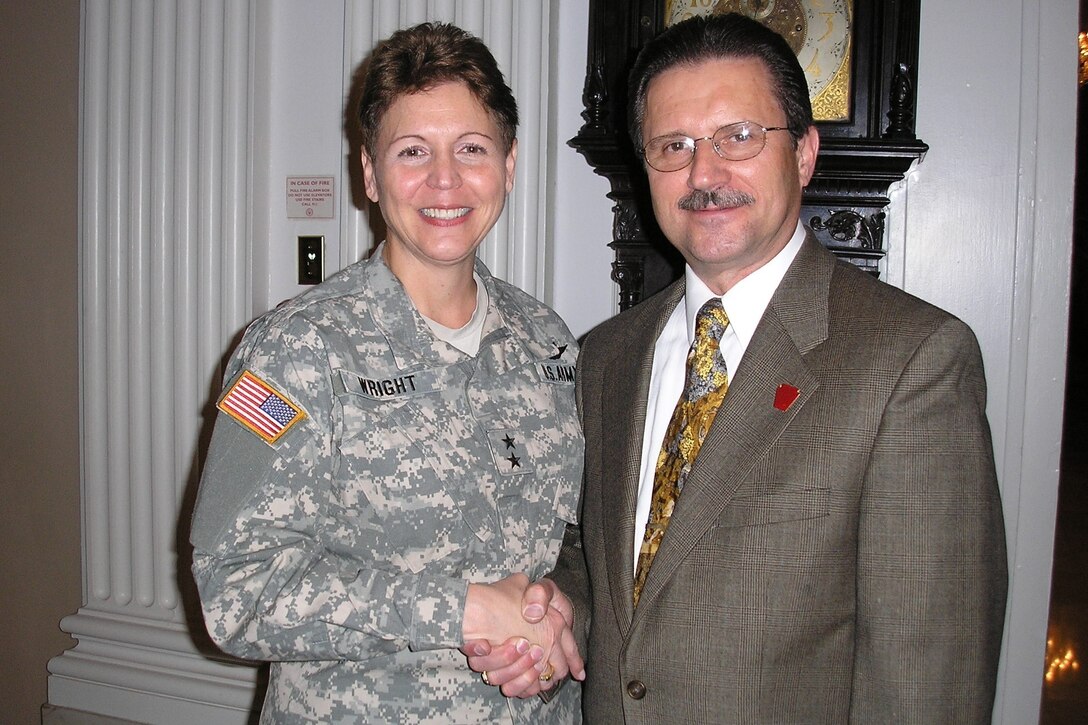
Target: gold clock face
[{"x": 817, "y": 30}]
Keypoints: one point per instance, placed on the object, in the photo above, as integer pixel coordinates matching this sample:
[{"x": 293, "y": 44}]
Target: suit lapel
[
  {"x": 623, "y": 419},
  {"x": 748, "y": 423}
]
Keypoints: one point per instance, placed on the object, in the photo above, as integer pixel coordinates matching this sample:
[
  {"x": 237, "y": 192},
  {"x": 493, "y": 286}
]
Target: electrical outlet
[{"x": 311, "y": 259}]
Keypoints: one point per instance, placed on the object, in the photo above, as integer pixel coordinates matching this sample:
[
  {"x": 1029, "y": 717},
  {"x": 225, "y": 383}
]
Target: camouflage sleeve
[{"x": 273, "y": 582}]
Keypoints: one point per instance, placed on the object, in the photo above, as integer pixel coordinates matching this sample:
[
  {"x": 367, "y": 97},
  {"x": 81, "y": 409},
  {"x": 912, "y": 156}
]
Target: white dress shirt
[{"x": 744, "y": 304}]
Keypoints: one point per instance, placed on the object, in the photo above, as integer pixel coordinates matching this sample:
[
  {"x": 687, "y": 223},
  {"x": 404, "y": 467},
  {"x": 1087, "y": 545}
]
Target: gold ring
[
  {"x": 483, "y": 676},
  {"x": 547, "y": 674}
]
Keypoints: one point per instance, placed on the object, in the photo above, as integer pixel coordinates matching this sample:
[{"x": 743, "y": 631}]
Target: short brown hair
[{"x": 427, "y": 55}]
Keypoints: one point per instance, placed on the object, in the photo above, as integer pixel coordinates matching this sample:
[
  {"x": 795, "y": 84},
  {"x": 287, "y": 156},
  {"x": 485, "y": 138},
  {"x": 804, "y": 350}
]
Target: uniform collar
[{"x": 507, "y": 330}]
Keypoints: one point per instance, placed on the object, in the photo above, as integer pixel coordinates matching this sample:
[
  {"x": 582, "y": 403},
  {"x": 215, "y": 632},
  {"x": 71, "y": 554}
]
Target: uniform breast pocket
[{"x": 778, "y": 507}]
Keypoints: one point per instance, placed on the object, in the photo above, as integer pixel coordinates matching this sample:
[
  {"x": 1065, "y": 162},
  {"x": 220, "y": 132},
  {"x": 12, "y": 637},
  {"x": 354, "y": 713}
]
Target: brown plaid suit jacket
[{"x": 839, "y": 561}]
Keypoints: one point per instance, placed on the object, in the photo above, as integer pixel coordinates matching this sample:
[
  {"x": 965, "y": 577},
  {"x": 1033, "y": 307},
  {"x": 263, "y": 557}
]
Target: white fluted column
[
  {"x": 169, "y": 190},
  {"x": 163, "y": 243}
]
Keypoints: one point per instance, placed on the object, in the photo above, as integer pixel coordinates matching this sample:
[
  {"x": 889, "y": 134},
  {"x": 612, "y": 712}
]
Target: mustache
[{"x": 699, "y": 199}]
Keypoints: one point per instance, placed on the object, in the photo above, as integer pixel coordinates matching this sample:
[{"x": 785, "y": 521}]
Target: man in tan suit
[{"x": 835, "y": 551}]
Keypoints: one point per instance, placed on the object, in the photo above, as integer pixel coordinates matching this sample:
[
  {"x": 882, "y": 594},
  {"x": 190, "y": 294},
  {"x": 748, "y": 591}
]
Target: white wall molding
[
  {"x": 1030, "y": 453},
  {"x": 148, "y": 671}
]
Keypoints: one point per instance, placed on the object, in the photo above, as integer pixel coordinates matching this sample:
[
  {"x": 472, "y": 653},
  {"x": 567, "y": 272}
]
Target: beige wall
[{"x": 39, "y": 404}]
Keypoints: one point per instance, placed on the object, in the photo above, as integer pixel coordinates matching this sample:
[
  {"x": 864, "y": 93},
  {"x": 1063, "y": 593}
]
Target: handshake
[{"x": 519, "y": 635}]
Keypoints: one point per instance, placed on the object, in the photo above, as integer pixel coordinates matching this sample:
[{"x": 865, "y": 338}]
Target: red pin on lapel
[{"x": 784, "y": 396}]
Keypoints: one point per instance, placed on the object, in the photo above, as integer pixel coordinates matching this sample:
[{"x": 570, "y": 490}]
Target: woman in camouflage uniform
[{"x": 394, "y": 442}]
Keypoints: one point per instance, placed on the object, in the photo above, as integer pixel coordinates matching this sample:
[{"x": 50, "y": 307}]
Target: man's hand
[{"x": 515, "y": 665}]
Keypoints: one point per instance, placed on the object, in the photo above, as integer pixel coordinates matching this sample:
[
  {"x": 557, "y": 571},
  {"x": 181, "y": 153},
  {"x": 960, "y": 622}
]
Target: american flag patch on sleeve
[{"x": 253, "y": 403}]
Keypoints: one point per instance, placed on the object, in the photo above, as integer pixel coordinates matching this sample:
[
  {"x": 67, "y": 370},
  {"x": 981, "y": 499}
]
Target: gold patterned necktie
[{"x": 705, "y": 383}]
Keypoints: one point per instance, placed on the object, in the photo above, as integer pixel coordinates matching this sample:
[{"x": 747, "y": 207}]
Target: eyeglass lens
[{"x": 736, "y": 142}]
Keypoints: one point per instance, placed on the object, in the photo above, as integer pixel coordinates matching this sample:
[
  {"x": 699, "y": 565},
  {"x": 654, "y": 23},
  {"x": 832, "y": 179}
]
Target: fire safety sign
[{"x": 310, "y": 197}]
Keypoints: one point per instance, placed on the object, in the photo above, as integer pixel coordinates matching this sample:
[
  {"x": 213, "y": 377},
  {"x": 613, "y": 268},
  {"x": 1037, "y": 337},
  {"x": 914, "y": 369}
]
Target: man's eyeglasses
[{"x": 736, "y": 142}]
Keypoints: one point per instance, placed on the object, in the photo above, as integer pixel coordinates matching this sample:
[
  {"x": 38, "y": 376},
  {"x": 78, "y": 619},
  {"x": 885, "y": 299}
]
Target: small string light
[
  {"x": 1082, "y": 43},
  {"x": 1059, "y": 664}
]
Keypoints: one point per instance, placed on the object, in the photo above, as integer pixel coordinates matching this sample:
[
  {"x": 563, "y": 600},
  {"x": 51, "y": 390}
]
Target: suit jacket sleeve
[
  {"x": 932, "y": 576},
  {"x": 571, "y": 572}
]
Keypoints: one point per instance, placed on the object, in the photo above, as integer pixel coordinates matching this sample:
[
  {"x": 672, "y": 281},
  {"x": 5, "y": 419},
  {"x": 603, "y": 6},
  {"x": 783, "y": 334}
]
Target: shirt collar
[{"x": 746, "y": 301}]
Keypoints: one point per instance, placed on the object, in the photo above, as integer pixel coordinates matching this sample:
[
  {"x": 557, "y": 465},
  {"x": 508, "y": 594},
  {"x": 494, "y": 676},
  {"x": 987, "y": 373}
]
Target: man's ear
[{"x": 808, "y": 146}]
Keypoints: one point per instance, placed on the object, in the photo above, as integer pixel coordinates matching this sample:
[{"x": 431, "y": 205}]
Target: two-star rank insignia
[{"x": 509, "y": 452}]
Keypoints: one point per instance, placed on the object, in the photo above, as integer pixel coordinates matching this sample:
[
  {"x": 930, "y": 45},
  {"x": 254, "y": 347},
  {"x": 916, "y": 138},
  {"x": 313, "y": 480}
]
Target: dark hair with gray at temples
[
  {"x": 722, "y": 37},
  {"x": 428, "y": 55}
]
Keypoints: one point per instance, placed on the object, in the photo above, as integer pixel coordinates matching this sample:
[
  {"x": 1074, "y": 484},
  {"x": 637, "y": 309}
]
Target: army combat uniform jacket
[{"x": 361, "y": 473}]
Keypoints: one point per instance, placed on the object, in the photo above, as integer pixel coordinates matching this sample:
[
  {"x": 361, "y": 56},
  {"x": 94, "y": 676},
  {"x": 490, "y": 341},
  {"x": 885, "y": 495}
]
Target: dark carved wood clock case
[{"x": 864, "y": 149}]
